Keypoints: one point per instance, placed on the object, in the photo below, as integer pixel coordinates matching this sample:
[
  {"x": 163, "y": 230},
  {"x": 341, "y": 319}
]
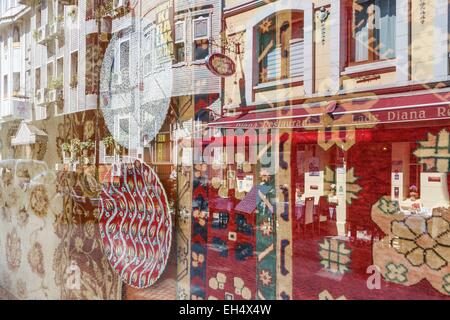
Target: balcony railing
[
  {"x": 68, "y": 2},
  {"x": 31, "y": 2},
  {"x": 16, "y": 108}
]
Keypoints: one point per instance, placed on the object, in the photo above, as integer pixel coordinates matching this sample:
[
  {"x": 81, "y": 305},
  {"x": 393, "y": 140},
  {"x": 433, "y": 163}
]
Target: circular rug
[{"x": 135, "y": 223}]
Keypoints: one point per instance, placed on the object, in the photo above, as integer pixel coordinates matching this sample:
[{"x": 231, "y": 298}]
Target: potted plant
[
  {"x": 85, "y": 146},
  {"x": 108, "y": 142},
  {"x": 36, "y": 34},
  {"x": 74, "y": 149},
  {"x": 56, "y": 83},
  {"x": 105, "y": 10},
  {"x": 111, "y": 146},
  {"x": 74, "y": 81},
  {"x": 72, "y": 13},
  {"x": 66, "y": 150}
]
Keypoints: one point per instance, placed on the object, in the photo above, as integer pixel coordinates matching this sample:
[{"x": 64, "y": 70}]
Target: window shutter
[
  {"x": 296, "y": 59},
  {"x": 274, "y": 64}
]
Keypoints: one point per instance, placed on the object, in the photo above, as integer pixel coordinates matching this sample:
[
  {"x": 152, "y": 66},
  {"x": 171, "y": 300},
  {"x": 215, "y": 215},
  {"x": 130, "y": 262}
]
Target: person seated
[
  {"x": 299, "y": 203},
  {"x": 413, "y": 203},
  {"x": 298, "y": 196}
]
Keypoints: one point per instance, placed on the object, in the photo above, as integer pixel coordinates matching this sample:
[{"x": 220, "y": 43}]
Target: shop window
[
  {"x": 16, "y": 84},
  {"x": 38, "y": 15},
  {"x": 50, "y": 14},
  {"x": 124, "y": 59},
  {"x": 5, "y": 86},
  {"x": 373, "y": 30},
  {"x": 60, "y": 68},
  {"x": 74, "y": 69},
  {"x": 16, "y": 37},
  {"x": 49, "y": 73},
  {"x": 28, "y": 83},
  {"x": 180, "y": 40},
  {"x": 60, "y": 9},
  {"x": 148, "y": 63},
  {"x": 149, "y": 47},
  {"x": 5, "y": 48},
  {"x": 162, "y": 151},
  {"x": 280, "y": 46},
  {"x": 201, "y": 37},
  {"x": 37, "y": 78}
]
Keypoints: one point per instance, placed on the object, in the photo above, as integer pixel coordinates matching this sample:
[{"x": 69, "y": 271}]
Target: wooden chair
[
  {"x": 323, "y": 210},
  {"x": 309, "y": 213}
]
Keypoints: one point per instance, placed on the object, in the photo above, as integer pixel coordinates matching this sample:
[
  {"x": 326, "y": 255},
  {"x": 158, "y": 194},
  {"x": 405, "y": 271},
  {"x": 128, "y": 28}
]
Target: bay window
[
  {"x": 373, "y": 30},
  {"x": 280, "y": 46}
]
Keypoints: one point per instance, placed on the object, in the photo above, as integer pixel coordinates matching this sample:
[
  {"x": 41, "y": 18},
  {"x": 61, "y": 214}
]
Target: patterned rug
[{"x": 5, "y": 295}]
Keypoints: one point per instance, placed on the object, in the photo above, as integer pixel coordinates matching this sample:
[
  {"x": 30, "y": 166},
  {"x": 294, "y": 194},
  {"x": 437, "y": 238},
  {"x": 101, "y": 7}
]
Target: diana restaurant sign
[
  {"x": 220, "y": 65},
  {"x": 299, "y": 118}
]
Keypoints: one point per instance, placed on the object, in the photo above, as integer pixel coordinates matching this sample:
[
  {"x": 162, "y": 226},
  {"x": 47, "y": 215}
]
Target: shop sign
[
  {"x": 356, "y": 119},
  {"x": 221, "y": 65},
  {"x": 164, "y": 22}
]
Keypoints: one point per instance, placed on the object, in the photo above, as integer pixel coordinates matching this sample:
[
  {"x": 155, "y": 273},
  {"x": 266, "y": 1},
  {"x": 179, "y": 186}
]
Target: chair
[
  {"x": 323, "y": 210},
  {"x": 309, "y": 212}
]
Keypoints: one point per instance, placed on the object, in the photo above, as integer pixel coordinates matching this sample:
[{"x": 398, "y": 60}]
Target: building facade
[
  {"x": 327, "y": 149},
  {"x": 295, "y": 149}
]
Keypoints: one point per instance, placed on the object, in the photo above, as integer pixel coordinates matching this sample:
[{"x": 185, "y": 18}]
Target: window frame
[
  {"x": 119, "y": 64},
  {"x": 196, "y": 40},
  {"x": 372, "y": 54},
  {"x": 16, "y": 32},
  {"x": 150, "y": 36},
  {"x": 178, "y": 42},
  {"x": 208, "y": 27},
  {"x": 118, "y": 58},
  {"x": 118, "y": 128},
  {"x": 183, "y": 23},
  {"x": 258, "y": 84}
]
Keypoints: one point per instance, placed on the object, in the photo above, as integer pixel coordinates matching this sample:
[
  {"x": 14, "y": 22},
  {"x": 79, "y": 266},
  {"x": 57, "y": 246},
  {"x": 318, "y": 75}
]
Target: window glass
[
  {"x": 374, "y": 29},
  {"x": 179, "y": 46},
  {"x": 286, "y": 166},
  {"x": 280, "y": 46},
  {"x": 124, "y": 56},
  {"x": 200, "y": 38},
  {"x": 201, "y": 49}
]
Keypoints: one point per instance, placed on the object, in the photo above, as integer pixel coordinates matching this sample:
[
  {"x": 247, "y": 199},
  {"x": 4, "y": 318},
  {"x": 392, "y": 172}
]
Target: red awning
[{"x": 358, "y": 113}]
